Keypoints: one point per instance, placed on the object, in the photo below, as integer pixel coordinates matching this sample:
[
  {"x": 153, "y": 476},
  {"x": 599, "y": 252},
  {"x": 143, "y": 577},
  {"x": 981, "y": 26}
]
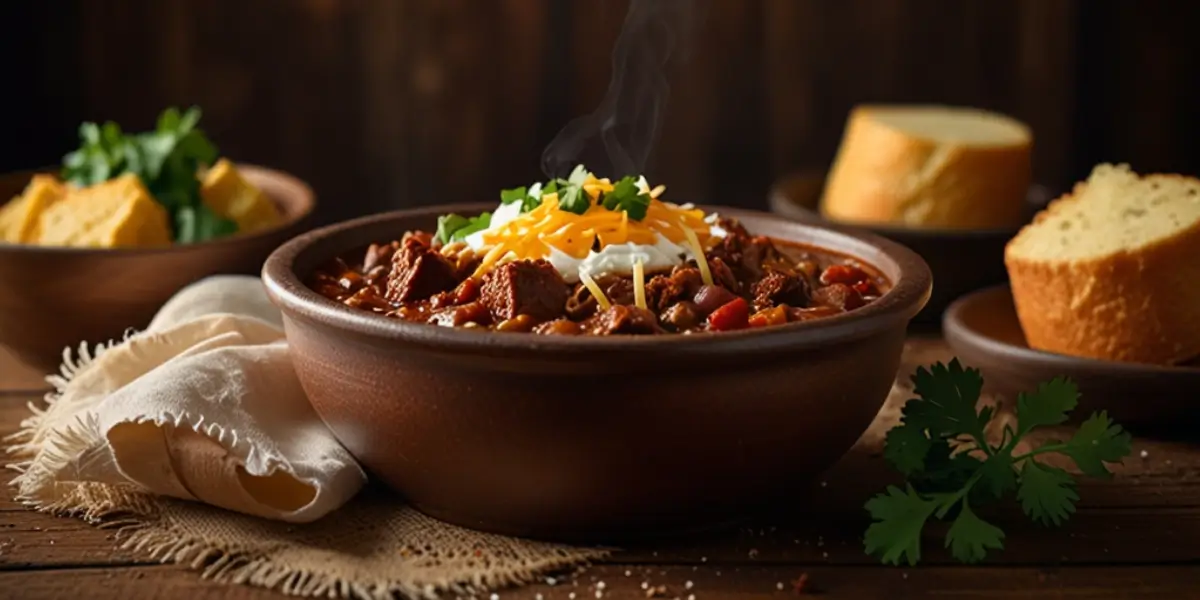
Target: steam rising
[{"x": 616, "y": 139}]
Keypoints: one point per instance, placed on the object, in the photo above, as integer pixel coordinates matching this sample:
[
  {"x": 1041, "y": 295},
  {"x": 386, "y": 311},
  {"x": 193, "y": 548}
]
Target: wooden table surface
[{"x": 1135, "y": 536}]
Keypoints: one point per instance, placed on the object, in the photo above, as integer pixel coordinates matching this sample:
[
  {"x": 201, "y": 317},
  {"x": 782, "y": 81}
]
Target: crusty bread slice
[
  {"x": 930, "y": 166},
  {"x": 1110, "y": 271}
]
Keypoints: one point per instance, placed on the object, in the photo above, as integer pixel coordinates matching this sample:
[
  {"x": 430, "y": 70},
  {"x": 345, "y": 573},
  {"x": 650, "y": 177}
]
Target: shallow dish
[
  {"x": 984, "y": 332},
  {"x": 961, "y": 260},
  {"x": 52, "y": 297},
  {"x": 592, "y": 438}
]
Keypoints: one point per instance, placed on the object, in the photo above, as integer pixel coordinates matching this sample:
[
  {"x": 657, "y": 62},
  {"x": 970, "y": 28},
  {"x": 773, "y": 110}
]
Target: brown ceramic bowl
[
  {"x": 592, "y": 438},
  {"x": 961, "y": 260},
  {"x": 985, "y": 333},
  {"x": 51, "y": 298}
]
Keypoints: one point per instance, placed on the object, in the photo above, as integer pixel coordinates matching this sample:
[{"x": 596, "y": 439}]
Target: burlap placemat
[{"x": 372, "y": 547}]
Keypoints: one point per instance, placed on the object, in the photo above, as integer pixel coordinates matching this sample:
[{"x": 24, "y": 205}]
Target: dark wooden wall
[{"x": 390, "y": 103}]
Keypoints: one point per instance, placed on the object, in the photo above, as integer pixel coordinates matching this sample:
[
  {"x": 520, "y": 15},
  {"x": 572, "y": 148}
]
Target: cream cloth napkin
[{"x": 203, "y": 405}]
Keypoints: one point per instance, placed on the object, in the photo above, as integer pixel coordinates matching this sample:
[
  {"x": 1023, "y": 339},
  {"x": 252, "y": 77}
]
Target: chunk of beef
[
  {"x": 525, "y": 287},
  {"x": 746, "y": 255},
  {"x": 779, "y": 287},
  {"x": 457, "y": 316},
  {"x": 418, "y": 272},
  {"x": 837, "y": 295},
  {"x": 379, "y": 255},
  {"x": 723, "y": 276},
  {"x": 665, "y": 290},
  {"x": 682, "y": 316},
  {"x": 622, "y": 319},
  {"x": 581, "y": 304}
]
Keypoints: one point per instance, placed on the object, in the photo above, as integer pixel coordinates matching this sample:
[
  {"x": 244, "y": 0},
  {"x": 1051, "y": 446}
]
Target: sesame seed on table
[{"x": 1136, "y": 535}]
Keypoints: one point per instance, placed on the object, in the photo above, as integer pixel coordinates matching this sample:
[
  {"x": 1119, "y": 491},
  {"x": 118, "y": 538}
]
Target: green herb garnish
[
  {"x": 626, "y": 196},
  {"x": 455, "y": 228},
  {"x": 571, "y": 196},
  {"x": 167, "y": 160},
  {"x": 941, "y": 447}
]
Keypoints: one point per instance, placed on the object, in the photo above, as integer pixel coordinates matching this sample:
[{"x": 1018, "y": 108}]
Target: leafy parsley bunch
[
  {"x": 167, "y": 160},
  {"x": 942, "y": 449}
]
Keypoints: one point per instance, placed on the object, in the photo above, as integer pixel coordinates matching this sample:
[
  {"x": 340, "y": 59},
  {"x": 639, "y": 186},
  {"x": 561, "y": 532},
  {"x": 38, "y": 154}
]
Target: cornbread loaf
[
  {"x": 931, "y": 167},
  {"x": 229, "y": 195},
  {"x": 117, "y": 213},
  {"x": 1110, "y": 271},
  {"x": 20, "y": 219}
]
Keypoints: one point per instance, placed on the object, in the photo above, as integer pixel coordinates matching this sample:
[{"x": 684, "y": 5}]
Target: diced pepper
[{"x": 734, "y": 314}]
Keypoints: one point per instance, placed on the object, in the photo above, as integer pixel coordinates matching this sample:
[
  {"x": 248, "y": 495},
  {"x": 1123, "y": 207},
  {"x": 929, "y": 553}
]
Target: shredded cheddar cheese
[
  {"x": 639, "y": 284},
  {"x": 594, "y": 288},
  {"x": 698, "y": 251},
  {"x": 534, "y": 233}
]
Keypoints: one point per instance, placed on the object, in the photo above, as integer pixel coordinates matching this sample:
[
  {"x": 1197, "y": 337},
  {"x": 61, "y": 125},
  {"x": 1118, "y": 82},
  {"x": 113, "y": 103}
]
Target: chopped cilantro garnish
[
  {"x": 626, "y": 196},
  {"x": 571, "y": 196},
  {"x": 514, "y": 195},
  {"x": 455, "y": 228},
  {"x": 942, "y": 448}
]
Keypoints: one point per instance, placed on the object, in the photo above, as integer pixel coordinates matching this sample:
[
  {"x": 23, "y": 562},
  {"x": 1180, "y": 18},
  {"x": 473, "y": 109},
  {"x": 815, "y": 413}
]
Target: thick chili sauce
[{"x": 756, "y": 282}]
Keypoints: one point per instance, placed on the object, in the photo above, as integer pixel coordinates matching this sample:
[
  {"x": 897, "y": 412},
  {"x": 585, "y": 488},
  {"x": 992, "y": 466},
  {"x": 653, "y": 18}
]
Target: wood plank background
[{"x": 391, "y": 103}]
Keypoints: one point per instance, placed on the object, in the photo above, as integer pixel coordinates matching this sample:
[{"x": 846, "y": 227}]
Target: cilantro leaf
[
  {"x": 1098, "y": 441},
  {"x": 941, "y": 448},
  {"x": 948, "y": 396},
  {"x": 1049, "y": 405},
  {"x": 571, "y": 196},
  {"x": 1047, "y": 494},
  {"x": 626, "y": 196},
  {"x": 455, "y": 228},
  {"x": 906, "y": 448},
  {"x": 970, "y": 537},
  {"x": 167, "y": 160},
  {"x": 198, "y": 223},
  {"x": 899, "y": 516},
  {"x": 997, "y": 475},
  {"x": 514, "y": 195}
]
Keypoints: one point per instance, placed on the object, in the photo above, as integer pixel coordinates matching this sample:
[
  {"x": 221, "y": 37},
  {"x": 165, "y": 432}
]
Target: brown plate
[
  {"x": 983, "y": 330},
  {"x": 961, "y": 260},
  {"x": 51, "y": 297},
  {"x": 593, "y": 438}
]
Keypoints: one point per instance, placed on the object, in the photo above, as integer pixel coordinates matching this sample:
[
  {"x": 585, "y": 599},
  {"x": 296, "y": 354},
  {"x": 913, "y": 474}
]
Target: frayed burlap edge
[{"x": 148, "y": 524}]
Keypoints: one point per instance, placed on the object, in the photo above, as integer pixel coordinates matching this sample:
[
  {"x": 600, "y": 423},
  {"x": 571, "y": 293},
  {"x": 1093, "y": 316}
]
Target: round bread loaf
[
  {"x": 1110, "y": 271},
  {"x": 931, "y": 167}
]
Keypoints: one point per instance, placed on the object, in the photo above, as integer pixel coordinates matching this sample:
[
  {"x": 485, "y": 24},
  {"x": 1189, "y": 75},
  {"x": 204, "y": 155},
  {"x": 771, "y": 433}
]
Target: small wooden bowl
[
  {"x": 51, "y": 298},
  {"x": 961, "y": 260},
  {"x": 985, "y": 333}
]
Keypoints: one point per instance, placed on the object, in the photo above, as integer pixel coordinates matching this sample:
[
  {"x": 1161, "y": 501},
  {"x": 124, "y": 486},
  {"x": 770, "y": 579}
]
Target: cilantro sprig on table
[
  {"x": 167, "y": 160},
  {"x": 625, "y": 196},
  {"x": 941, "y": 446}
]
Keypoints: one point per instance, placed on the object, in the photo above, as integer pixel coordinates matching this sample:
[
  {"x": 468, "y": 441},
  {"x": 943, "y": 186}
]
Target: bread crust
[
  {"x": 886, "y": 176},
  {"x": 1140, "y": 306}
]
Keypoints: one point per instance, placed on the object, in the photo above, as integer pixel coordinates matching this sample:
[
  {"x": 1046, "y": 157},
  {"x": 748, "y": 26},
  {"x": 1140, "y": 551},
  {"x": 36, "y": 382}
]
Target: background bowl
[
  {"x": 592, "y": 438},
  {"x": 961, "y": 260},
  {"x": 51, "y": 298}
]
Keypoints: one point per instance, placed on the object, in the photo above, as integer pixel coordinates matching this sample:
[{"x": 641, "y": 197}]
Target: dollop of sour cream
[{"x": 614, "y": 259}]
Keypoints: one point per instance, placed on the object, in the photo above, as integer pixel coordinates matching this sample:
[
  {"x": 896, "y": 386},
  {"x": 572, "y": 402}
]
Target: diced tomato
[
  {"x": 843, "y": 274},
  {"x": 865, "y": 288},
  {"x": 734, "y": 314}
]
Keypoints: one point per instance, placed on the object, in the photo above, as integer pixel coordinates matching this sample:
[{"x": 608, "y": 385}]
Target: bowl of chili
[{"x": 513, "y": 398}]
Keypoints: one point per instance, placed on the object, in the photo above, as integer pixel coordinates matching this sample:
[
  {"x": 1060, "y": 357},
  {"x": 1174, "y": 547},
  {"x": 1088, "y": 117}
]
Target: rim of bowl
[
  {"x": 779, "y": 195},
  {"x": 294, "y": 186},
  {"x": 908, "y": 294}
]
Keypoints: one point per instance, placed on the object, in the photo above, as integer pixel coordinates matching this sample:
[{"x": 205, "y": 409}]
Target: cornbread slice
[
  {"x": 116, "y": 213},
  {"x": 930, "y": 166},
  {"x": 229, "y": 195},
  {"x": 1110, "y": 271},
  {"x": 20, "y": 218}
]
